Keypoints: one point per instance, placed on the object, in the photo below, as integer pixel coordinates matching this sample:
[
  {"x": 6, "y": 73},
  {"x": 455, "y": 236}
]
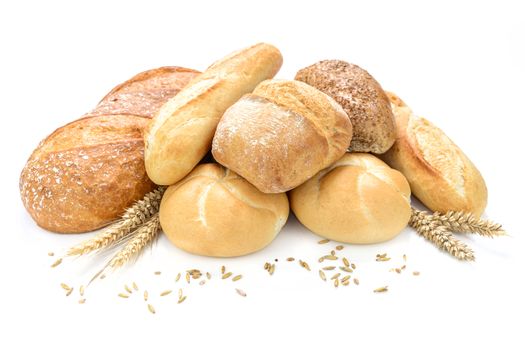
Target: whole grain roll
[
  {"x": 215, "y": 212},
  {"x": 441, "y": 176},
  {"x": 86, "y": 173},
  {"x": 359, "y": 199},
  {"x": 362, "y": 98},
  {"x": 182, "y": 131},
  {"x": 281, "y": 135}
]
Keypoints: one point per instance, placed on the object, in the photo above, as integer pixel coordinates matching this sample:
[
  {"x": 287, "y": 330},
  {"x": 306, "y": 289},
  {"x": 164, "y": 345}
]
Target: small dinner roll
[
  {"x": 359, "y": 199},
  {"x": 215, "y": 212}
]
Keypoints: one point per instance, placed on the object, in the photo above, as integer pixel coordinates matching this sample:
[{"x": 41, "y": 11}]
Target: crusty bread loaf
[
  {"x": 359, "y": 199},
  {"x": 281, "y": 135},
  {"x": 362, "y": 98},
  {"x": 86, "y": 173},
  {"x": 440, "y": 174},
  {"x": 83, "y": 176},
  {"x": 146, "y": 92},
  {"x": 181, "y": 132},
  {"x": 215, "y": 212}
]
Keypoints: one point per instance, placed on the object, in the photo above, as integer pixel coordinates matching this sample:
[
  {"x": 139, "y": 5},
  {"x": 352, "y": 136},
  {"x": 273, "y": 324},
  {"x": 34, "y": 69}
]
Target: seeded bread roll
[
  {"x": 181, "y": 133},
  {"x": 362, "y": 98},
  {"x": 215, "y": 212},
  {"x": 281, "y": 135},
  {"x": 441, "y": 176},
  {"x": 359, "y": 199},
  {"x": 86, "y": 173}
]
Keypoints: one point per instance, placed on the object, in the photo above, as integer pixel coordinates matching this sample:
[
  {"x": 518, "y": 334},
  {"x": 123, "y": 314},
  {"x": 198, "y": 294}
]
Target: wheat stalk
[
  {"x": 135, "y": 244},
  {"x": 135, "y": 216},
  {"x": 457, "y": 221},
  {"x": 140, "y": 238},
  {"x": 439, "y": 235}
]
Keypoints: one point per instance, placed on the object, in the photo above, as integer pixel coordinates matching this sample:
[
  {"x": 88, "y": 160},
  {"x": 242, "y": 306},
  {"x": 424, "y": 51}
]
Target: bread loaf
[
  {"x": 215, "y": 212},
  {"x": 281, "y": 135},
  {"x": 359, "y": 199},
  {"x": 441, "y": 176},
  {"x": 181, "y": 132},
  {"x": 362, "y": 98},
  {"x": 86, "y": 173},
  {"x": 146, "y": 92}
]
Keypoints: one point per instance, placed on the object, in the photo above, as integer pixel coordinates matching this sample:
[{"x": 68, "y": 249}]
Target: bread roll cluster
[{"x": 270, "y": 137}]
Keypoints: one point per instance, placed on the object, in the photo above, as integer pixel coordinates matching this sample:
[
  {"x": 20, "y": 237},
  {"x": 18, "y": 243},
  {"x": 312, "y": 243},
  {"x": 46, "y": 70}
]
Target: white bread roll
[
  {"x": 215, "y": 212},
  {"x": 359, "y": 199},
  {"x": 440, "y": 175},
  {"x": 181, "y": 132},
  {"x": 281, "y": 135}
]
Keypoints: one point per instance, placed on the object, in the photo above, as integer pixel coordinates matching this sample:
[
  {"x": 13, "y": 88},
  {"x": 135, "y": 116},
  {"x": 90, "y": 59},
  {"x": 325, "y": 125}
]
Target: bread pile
[{"x": 308, "y": 140}]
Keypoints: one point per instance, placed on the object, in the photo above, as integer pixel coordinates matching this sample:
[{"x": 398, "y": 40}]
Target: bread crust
[
  {"x": 215, "y": 212},
  {"x": 146, "y": 92},
  {"x": 281, "y": 135},
  {"x": 78, "y": 181},
  {"x": 358, "y": 199},
  {"x": 441, "y": 176},
  {"x": 361, "y": 97},
  {"x": 86, "y": 173},
  {"x": 182, "y": 131}
]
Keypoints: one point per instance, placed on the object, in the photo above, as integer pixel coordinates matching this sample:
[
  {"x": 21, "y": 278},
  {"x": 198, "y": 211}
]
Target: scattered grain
[
  {"x": 323, "y": 241},
  {"x": 346, "y": 269},
  {"x": 157, "y": 273},
  {"x": 322, "y": 275},
  {"x": 346, "y": 262},
  {"x": 128, "y": 289},
  {"x": 146, "y": 295},
  {"x": 208, "y": 275},
  {"x": 304, "y": 264},
  {"x": 177, "y": 278},
  {"x": 415, "y": 273},
  {"x": 166, "y": 292},
  {"x": 50, "y": 254},
  {"x": 381, "y": 289},
  {"x": 226, "y": 275},
  {"x": 328, "y": 268},
  {"x": 290, "y": 259},
  {"x": 122, "y": 295},
  {"x": 236, "y": 278},
  {"x": 151, "y": 308},
  {"x": 81, "y": 291},
  {"x": 181, "y": 300},
  {"x": 356, "y": 281},
  {"x": 57, "y": 262},
  {"x": 339, "y": 247},
  {"x": 240, "y": 292},
  {"x": 134, "y": 285},
  {"x": 82, "y": 301},
  {"x": 336, "y": 276}
]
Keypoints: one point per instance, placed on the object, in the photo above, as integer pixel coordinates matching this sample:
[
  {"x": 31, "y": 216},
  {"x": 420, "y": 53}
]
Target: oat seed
[
  {"x": 128, "y": 289},
  {"x": 166, "y": 292},
  {"x": 226, "y": 275},
  {"x": 381, "y": 289},
  {"x": 151, "y": 308},
  {"x": 323, "y": 241},
  {"x": 122, "y": 295},
  {"x": 57, "y": 262},
  {"x": 322, "y": 275},
  {"x": 290, "y": 259},
  {"x": 415, "y": 273},
  {"x": 181, "y": 300},
  {"x": 339, "y": 247},
  {"x": 146, "y": 295},
  {"x": 236, "y": 278}
]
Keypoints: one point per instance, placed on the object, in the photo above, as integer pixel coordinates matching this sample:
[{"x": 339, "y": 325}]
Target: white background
[{"x": 459, "y": 64}]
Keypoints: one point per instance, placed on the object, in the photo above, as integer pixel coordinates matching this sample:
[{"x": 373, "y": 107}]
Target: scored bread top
[{"x": 146, "y": 92}]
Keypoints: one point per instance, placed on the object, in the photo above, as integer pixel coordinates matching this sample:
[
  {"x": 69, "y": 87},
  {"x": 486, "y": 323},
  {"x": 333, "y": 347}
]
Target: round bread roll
[
  {"x": 180, "y": 134},
  {"x": 441, "y": 176},
  {"x": 362, "y": 98},
  {"x": 215, "y": 212},
  {"x": 281, "y": 135},
  {"x": 359, "y": 199}
]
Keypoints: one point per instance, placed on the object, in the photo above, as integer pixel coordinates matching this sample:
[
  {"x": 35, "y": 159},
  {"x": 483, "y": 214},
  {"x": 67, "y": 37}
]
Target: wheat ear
[
  {"x": 457, "y": 221},
  {"x": 135, "y": 216},
  {"x": 135, "y": 244},
  {"x": 439, "y": 235}
]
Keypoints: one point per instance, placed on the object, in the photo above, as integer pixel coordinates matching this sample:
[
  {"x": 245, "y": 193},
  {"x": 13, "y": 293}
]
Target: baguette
[{"x": 182, "y": 131}]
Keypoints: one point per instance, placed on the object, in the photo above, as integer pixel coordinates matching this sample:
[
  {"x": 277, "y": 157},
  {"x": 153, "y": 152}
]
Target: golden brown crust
[
  {"x": 146, "y": 92},
  {"x": 281, "y": 135},
  {"x": 359, "y": 199},
  {"x": 86, "y": 173},
  {"x": 215, "y": 212},
  {"x": 182, "y": 131},
  {"x": 76, "y": 181},
  {"x": 441, "y": 176},
  {"x": 361, "y": 97}
]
